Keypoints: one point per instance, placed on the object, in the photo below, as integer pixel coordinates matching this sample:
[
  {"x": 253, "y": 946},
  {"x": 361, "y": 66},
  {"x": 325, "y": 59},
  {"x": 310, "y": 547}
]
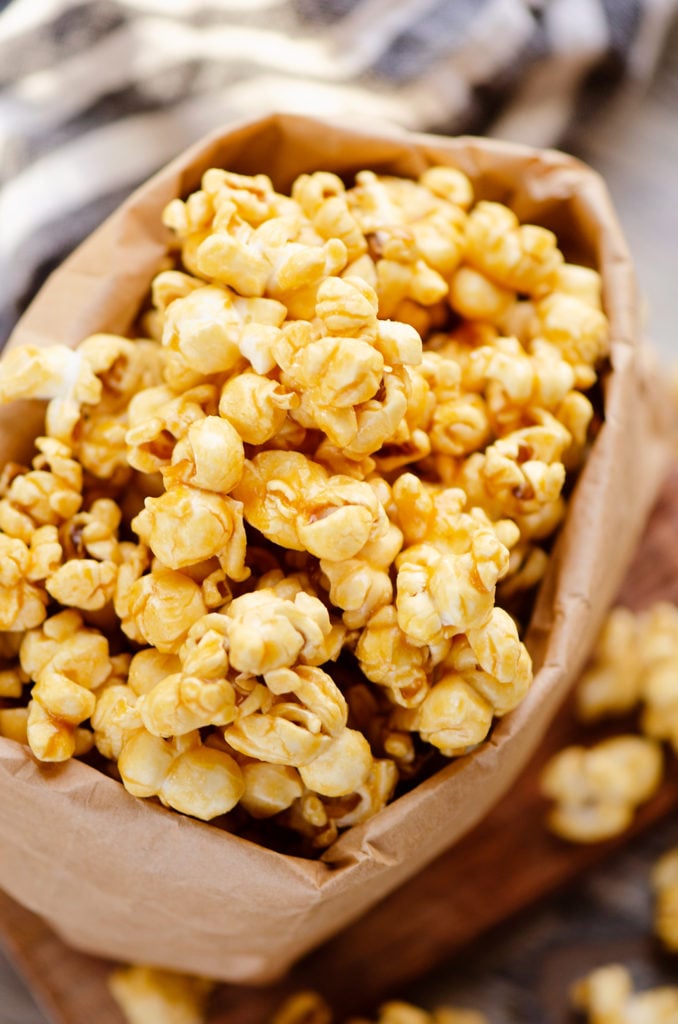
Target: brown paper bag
[{"x": 130, "y": 880}]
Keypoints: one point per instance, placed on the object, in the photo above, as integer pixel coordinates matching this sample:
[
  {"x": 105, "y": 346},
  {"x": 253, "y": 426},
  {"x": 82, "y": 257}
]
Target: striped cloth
[{"x": 96, "y": 94}]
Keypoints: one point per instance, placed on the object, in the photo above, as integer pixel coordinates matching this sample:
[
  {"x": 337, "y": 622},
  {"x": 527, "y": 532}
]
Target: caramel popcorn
[
  {"x": 597, "y": 790},
  {"x": 336, "y": 441},
  {"x": 148, "y": 995},
  {"x": 307, "y": 1007},
  {"x": 665, "y": 885},
  {"x": 611, "y": 683},
  {"x": 607, "y": 996},
  {"x": 520, "y": 257},
  {"x": 635, "y": 664}
]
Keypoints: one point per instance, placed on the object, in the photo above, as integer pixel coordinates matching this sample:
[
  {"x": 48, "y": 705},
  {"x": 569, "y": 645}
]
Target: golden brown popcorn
[
  {"x": 273, "y": 487},
  {"x": 183, "y": 773},
  {"x": 409, "y": 222},
  {"x": 54, "y": 739},
  {"x": 211, "y": 525},
  {"x": 442, "y": 593},
  {"x": 14, "y": 724},
  {"x": 265, "y": 631},
  {"x": 517, "y": 383},
  {"x": 449, "y": 183},
  {"x": 522, "y": 257},
  {"x": 607, "y": 997},
  {"x": 499, "y": 653},
  {"x": 294, "y": 325},
  {"x": 149, "y": 667},
  {"x": 269, "y": 788},
  {"x": 520, "y": 474},
  {"x": 577, "y": 329},
  {"x": 369, "y": 797},
  {"x": 64, "y": 643},
  {"x": 460, "y": 426},
  {"x": 527, "y": 565},
  {"x": 48, "y": 373},
  {"x": 46, "y": 495},
  {"x": 378, "y": 419},
  {"x": 665, "y": 886},
  {"x": 270, "y": 260},
  {"x": 597, "y": 790},
  {"x": 611, "y": 683},
  {"x": 575, "y": 412},
  {"x": 196, "y": 695},
  {"x": 209, "y": 456},
  {"x": 211, "y": 329},
  {"x": 322, "y": 198},
  {"x": 181, "y": 703},
  {"x": 93, "y": 532},
  {"x": 256, "y": 406},
  {"x": 83, "y": 583},
  {"x": 134, "y": 560},
  {"x": 12, "y": 680},
  {"x": 114, "y": 719},
  {"x": 23, "y": 604},
  {"x": 453, "y": 716},
  {"x": 158, "y": 418},
  {"x": 305, "y": 1007},
  {"x": 297, "y": 717},
  {"x": 161, "y": 608},
  {"x": 288, "y": 734},
  {"x": 88, "y": 389},
  {"x": 476, "y": 297},
  {"x": 389, "y": 658},
  {"x": 329, "y": 373},
  {"x": 583, "y": 282},
  {"x": 168, "y": 285},
  {"x": 148, "y": 995},
  {"x": 66, "y": 661},
  {"x": 358, "y": 587}
]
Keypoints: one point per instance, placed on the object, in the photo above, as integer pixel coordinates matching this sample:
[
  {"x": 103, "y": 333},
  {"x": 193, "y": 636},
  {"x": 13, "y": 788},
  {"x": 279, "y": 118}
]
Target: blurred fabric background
[{"x": 97, "y": 94}]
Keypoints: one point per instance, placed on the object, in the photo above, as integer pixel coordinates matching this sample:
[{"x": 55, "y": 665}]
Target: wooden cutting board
[{"x": 507, "y": 863}]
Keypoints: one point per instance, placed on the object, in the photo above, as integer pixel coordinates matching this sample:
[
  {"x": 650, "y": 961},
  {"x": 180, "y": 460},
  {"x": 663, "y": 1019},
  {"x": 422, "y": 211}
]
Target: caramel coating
[{"x": 344, "y": 436}]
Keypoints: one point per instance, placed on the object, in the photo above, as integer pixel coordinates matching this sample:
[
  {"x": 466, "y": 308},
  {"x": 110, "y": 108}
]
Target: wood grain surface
[{"x": 506, "y": 864}]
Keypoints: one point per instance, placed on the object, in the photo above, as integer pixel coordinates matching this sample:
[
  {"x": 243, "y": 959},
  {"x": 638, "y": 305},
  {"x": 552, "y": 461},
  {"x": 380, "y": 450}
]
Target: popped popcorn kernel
[
  {"x": 597, "y": 790},
  {"x": 665, "y": 886},
  {"x": 448, "y": 183},
  {"x": 607, "y": 996},
  {"x": 305, "y": 1007},
  {"x": 521, "y": 257},
  {"x": 148, "y": 995},
  {"x": 388, "y": 657},
  {"x": 210, "y": 456},
  {"x": 611, "y": 684},
  {"x": 453, "y": 716},
  {"x": 212, "y": 525},
  {"x": 187, "y": 776},
  {"x": 255, "y": 406},
  {"x": 267, "y": 632},
  {"x": 163, "y": 605},
  {"x": 342, "y": 767},
  {"x": 14, "y": 724},
  {"x": 181, "y": 703},
  {"x": 83, "y": 583},
  {"x": 269, "y": 788}
]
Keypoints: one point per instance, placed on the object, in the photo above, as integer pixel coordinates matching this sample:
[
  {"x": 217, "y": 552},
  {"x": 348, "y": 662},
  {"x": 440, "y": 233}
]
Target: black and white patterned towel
[{"x": 96, "y": 94}]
